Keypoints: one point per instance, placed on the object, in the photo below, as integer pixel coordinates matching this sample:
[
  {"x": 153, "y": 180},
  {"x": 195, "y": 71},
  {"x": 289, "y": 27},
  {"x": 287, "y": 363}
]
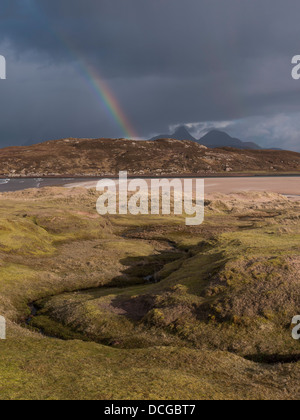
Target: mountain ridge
[
  {"x": 216, "y": 138},
  {"x": 181, "y": 133},
  {"x": 213, "y": 139}
]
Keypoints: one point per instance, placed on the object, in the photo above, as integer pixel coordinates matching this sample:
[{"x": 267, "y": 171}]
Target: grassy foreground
[{"x": 144, "y": 307}]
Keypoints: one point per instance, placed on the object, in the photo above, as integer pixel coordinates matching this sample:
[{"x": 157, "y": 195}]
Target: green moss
[
  {"x": 24, "y": 237},
  {"x": 47, "y": 325},
  {"x": 224, "y": 291}
]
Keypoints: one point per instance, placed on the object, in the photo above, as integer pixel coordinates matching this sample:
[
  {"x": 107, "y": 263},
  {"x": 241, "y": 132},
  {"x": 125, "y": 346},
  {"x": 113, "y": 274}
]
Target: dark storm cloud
[
  {"x": 172, "y": 37},
  {"x": 168, "y": 61}
]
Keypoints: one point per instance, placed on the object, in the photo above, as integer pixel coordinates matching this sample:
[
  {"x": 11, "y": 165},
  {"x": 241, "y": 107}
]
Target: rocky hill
[{"x": 99, "y": 157}]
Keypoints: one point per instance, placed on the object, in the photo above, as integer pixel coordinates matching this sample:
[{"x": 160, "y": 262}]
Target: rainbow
[
  {"x": 107, "y": 97},
  {"x": 93, "y": 78}
]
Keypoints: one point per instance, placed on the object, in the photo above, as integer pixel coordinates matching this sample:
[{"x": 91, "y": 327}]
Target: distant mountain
[
  {"x": 215, "y": 139},
  {"x": 180, "y": 134}
]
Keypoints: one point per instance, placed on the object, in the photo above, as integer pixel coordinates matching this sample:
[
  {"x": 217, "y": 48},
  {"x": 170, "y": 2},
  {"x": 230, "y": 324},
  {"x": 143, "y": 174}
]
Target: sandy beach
[{"x": 288, "y": 186}]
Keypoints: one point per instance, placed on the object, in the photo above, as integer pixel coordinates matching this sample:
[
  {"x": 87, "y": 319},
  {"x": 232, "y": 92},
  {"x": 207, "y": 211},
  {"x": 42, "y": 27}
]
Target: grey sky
[{"x": 207, "y": 63}]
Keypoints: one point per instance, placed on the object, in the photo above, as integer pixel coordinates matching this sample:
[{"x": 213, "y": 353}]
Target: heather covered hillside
[{"x": 95, "y": 157}]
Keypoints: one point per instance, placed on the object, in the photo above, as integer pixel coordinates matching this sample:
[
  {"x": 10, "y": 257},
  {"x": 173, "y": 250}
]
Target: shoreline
[
  {"x": 156, "y": 176},
  {"x": 288, "y": 186}
]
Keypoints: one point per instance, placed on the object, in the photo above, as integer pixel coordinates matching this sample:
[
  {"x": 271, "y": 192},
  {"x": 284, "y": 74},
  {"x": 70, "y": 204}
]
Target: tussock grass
[{"x": 144, "y": 307}]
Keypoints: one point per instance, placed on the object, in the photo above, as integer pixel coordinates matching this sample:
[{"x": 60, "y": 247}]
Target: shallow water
[{"x": 8, "y": 185}]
